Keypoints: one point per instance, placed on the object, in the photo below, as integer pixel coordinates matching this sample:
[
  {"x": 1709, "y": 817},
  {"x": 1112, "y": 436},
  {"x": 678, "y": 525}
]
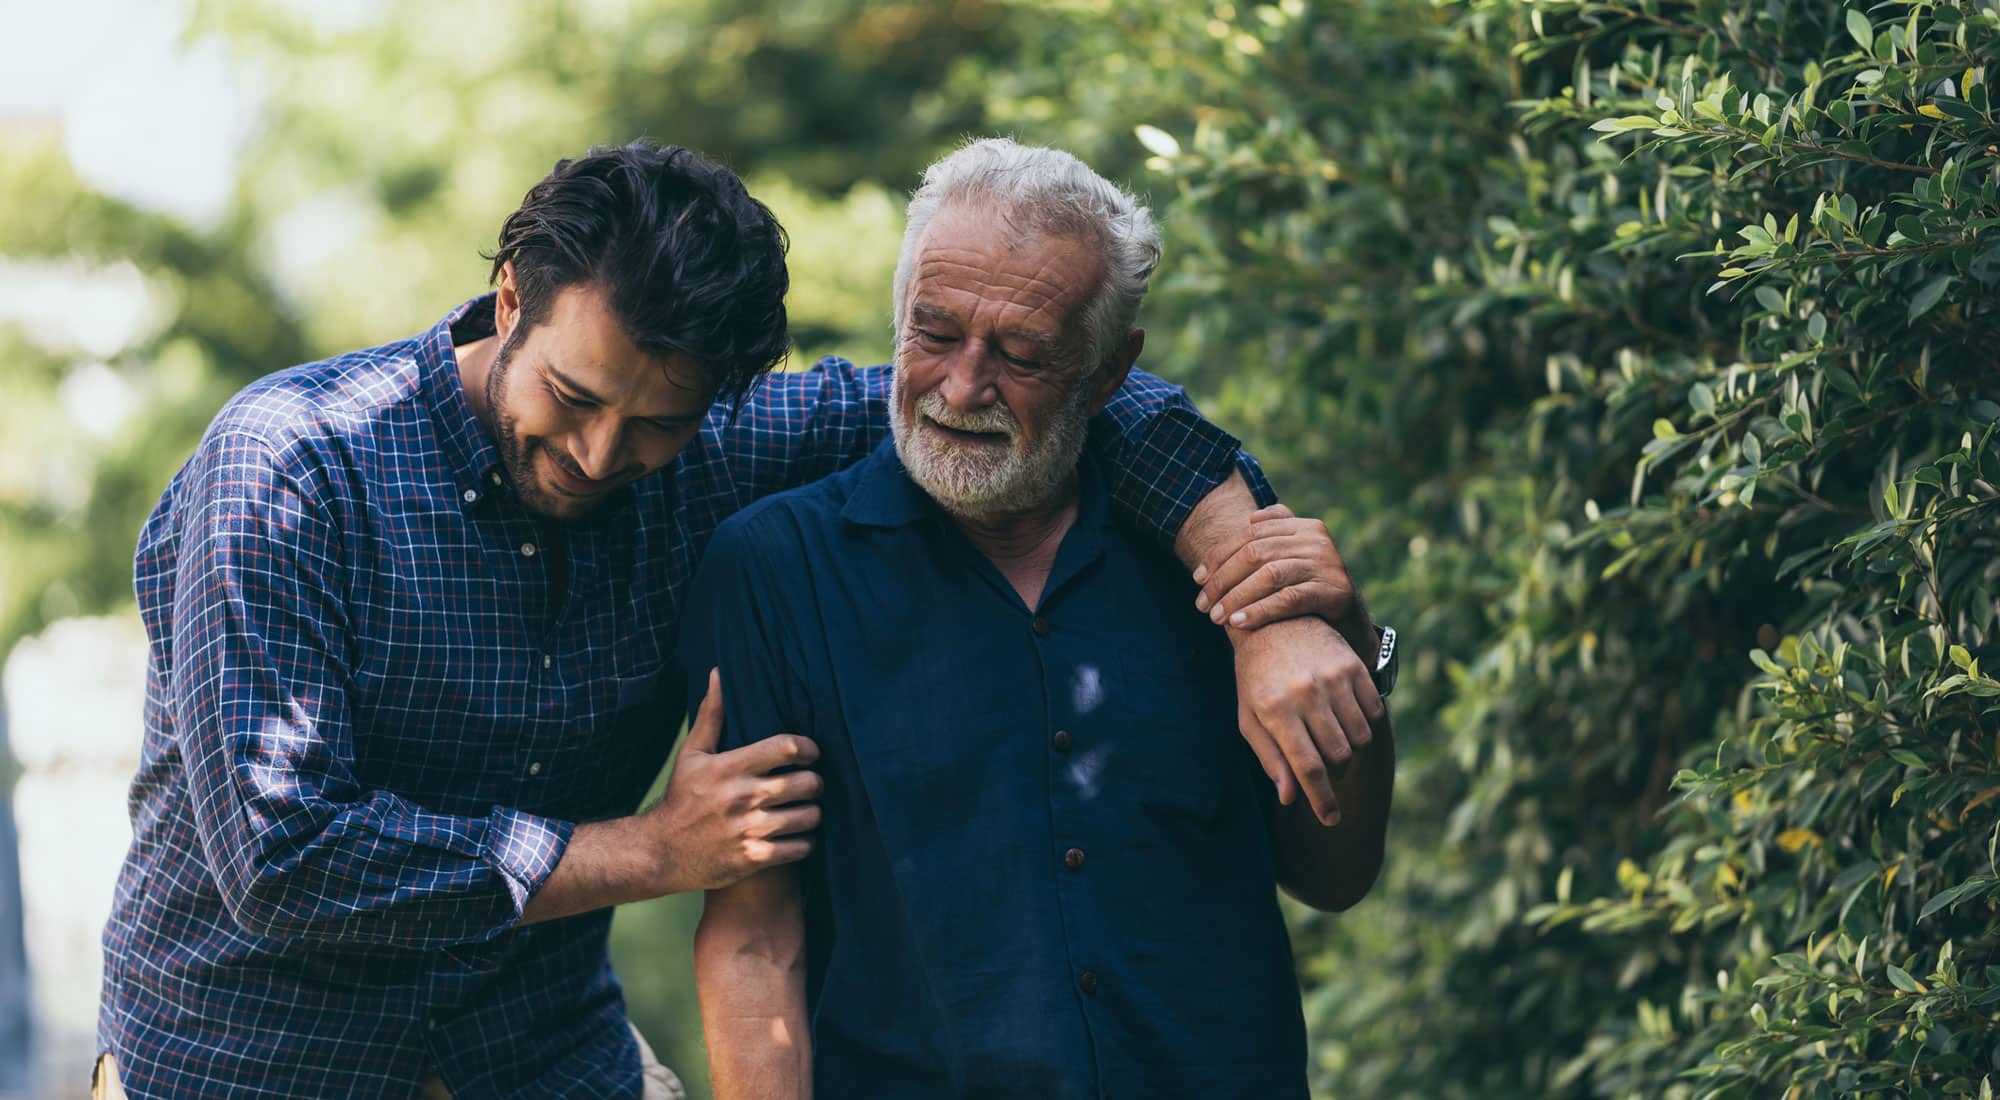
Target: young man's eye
[{"x": 566, "y": 399}]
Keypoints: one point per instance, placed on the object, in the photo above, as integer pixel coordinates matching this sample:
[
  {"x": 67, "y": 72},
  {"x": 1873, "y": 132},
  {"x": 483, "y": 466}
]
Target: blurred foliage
[{"x": 1639, "y": 353}]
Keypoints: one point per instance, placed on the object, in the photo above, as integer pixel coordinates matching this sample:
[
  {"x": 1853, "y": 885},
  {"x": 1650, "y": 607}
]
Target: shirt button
[
  {"x": 1087, "y": 981},
  {"x": 527, "y": 549},
  {"x": 1042, "y": 627},
  {"x": 535, "y": 768},
  {"x": 547, "y": 660},
  {"x": 1073, "y": 859},
  {"x": 430, "y": 1025},
  {"x": 494, "y": 477},
  {"x": 1062, "y": 740},
  {"x": 472, "y": 496}
]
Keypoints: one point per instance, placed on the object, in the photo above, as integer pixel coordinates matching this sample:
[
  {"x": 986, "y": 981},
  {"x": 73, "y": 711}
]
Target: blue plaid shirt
[{"x": 372, "y": 719}]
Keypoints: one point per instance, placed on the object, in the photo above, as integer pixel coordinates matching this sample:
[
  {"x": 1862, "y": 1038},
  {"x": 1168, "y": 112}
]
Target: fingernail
[
  {"x": 1215, "y": 614},
  {"x": 1200, "y": 574},
  {"x": 1201, "y": 603},
  {"x": 1239, "y": 618}
]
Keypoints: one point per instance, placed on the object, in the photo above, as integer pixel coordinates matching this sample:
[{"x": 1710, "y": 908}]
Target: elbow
[
  {"x": 1337, "y": 893},
  {"x": 727, "y": 942},
  {"x": 258, "y": 901}
]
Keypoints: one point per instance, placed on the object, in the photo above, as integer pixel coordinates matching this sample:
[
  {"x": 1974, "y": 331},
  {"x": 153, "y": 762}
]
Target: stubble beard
[{"x": 515, "y": 456}]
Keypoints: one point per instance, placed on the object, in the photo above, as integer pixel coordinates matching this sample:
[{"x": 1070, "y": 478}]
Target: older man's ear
[{"x": 1117, "y": 365}]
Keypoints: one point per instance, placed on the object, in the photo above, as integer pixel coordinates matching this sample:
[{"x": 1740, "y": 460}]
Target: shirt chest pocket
[{"x": 1171, "y": 735}]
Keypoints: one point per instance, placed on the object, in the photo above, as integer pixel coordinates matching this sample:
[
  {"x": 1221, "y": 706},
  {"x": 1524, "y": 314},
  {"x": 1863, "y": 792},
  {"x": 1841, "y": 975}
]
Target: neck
[
  {"x": 1023, "y": 544},
  {"x": 475, "y": 362}
]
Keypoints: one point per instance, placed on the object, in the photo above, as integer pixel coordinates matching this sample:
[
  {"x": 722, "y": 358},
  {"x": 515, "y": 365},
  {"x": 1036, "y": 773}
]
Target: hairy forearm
[
  {"x": 607, "y": 863},
  {"x": 749, "y": 964},
  {"x": 1332, "y": 868},
  {"x": 1221, "y": 522}
]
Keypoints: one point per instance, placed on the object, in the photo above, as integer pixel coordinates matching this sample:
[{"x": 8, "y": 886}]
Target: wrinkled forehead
[{"x": 974, "y": 254}]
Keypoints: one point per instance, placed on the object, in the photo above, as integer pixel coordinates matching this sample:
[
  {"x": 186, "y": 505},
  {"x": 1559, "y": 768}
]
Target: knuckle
[{"x": 1313, "y": 774}]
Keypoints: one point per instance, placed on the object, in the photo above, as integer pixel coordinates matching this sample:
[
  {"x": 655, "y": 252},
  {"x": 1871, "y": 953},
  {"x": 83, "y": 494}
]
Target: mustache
[
  {"x": 992, "y": 418},
  {"x": 570, "y": 467}
]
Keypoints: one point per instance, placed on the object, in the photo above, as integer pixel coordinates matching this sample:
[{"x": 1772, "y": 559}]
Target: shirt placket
[{"x": 1072, "y": 847}]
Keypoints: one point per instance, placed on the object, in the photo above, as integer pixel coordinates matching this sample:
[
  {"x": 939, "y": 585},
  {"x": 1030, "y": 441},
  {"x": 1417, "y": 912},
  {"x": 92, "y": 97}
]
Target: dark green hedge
[{"x": 1642, "y": 357}]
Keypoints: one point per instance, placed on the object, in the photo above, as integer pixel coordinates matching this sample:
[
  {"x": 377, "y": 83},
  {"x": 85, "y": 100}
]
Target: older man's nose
[{"x": 968, "y": 380}]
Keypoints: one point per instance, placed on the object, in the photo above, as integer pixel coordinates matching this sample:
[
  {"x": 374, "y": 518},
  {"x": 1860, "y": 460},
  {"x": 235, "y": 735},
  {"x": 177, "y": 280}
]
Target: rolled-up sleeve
[
  {"x": 1164, "y": 456},
  {"x": 299, "y": 847}
]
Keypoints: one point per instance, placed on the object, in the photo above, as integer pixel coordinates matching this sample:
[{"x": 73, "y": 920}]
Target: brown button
[
  {"x": 1087, "y": 981},
  {"x": 1042, "y": 627},
  {"x": 1073, "y": 858},
  {"x": 1062, "y": 741}
]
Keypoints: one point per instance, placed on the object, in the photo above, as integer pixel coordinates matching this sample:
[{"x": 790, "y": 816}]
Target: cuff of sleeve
[
  {"x": 1253, "y": 476},
  {"x": 1179, "y": 459},
  {"x": 526, "y": 849}
]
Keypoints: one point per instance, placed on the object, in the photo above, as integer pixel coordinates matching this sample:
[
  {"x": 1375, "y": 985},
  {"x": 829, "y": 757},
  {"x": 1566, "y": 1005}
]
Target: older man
[{"x": 1047, "y": 865}]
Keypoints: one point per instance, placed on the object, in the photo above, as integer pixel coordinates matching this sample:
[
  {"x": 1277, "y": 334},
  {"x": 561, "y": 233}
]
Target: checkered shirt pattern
[{"x": 372, "y": 718}]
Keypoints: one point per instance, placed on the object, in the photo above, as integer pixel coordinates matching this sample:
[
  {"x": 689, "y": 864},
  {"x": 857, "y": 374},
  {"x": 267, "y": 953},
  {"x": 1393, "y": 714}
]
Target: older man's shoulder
[{"x": 792, "y": 518}]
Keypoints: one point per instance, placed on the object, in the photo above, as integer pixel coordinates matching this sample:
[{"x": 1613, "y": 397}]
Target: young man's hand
[{"x": 728, "y": 815}]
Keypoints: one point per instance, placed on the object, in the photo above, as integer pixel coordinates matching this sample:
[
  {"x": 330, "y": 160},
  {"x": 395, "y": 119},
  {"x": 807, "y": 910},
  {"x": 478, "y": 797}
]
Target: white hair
[{"x": 1050, "y": 192}]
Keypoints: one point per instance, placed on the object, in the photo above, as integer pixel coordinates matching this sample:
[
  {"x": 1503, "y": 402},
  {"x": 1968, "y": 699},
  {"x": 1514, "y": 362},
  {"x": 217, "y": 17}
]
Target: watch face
[{"x": 1385, "y": 662}]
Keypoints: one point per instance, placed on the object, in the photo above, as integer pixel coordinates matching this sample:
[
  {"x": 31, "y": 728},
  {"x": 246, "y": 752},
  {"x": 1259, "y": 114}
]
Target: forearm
[
  {"x": 606, "y": 863},
  {"x": 749, "y": 963},
  {"x": 1332, "y": 868}
]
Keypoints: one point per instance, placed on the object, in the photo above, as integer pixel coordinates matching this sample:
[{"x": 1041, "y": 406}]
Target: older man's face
[{"x": 992, "y": 391}]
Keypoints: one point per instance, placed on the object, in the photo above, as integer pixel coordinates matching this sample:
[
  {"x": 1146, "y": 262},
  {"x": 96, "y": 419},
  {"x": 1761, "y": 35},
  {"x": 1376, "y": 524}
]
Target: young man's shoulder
[{"x": 330, "y": 402}]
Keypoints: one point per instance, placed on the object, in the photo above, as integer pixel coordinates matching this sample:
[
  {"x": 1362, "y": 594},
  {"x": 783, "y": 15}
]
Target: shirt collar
[
  {"x": 474, "y": 460},
  {"x": 884, "y": 495}
]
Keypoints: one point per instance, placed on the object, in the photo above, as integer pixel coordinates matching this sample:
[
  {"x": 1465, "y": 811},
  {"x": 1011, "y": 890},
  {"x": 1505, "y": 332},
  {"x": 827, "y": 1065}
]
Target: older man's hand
[
  {"x": 1305, "y": 702},
  {"x": 1282, "y": 568}
]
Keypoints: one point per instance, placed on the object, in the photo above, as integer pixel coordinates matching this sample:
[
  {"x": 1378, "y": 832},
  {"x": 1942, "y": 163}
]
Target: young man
[
  {"x": 410, "y": 610},
  {"x": 1045, "y": 868}
]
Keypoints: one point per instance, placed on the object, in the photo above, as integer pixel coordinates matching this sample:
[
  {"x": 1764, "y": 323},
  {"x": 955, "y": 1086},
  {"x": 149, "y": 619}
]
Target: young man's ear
[
  {"x": 1111, "y": 374},
  {"x": 506, "y": 303}
]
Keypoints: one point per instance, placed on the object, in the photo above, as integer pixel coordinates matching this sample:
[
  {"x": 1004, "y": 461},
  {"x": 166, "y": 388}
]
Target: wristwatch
[{"x": 1385, "y": 661}]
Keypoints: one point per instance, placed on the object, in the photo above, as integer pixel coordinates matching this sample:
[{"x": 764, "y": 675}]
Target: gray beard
[{"x": 976, "y": 483}]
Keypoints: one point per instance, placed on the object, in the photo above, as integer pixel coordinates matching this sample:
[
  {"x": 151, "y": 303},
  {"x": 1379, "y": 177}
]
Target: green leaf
[
  {"x": 1625, "y": 124},
  {"x": 1900, "y": 978},
  {"x": 1702, "y": 398},
  {"x": 1157, "y": 141},
  {"x": 1664, "y": 429},
  {"x": 1862, "y": 30},
  {"x": 1928, "y": 295},
  {"x": 1961, "y": 657}
]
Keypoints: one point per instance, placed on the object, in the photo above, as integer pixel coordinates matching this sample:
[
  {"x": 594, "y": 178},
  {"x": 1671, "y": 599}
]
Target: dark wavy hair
[{"x": 688, "y": 261}]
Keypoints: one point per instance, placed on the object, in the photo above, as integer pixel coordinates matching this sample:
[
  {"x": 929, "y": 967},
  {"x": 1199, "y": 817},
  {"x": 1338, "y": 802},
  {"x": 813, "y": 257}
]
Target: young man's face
[{"x": 578, "y": 409}]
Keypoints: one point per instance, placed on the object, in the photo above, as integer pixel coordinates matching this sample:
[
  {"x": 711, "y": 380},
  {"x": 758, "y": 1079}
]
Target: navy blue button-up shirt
[
  {"x": 371, "y": 721},
  {"x": 1044, "y": 868}
]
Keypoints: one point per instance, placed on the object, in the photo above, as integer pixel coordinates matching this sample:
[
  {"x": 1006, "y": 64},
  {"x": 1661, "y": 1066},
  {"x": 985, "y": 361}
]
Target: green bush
[{"x": 1641, "y": 357}]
